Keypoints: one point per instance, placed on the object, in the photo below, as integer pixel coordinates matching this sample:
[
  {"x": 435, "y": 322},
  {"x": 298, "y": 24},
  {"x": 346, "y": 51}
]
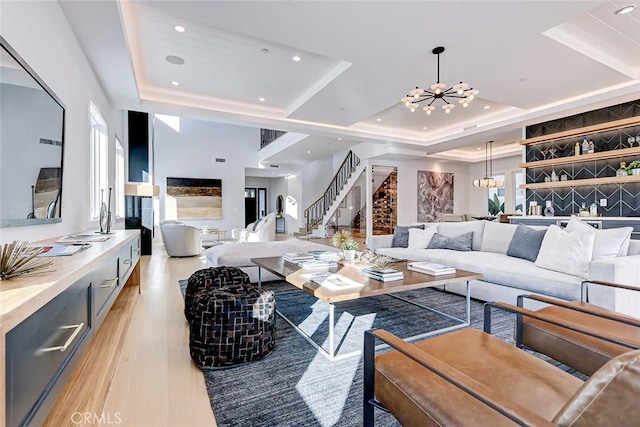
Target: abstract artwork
[
  {"x": 435, "y": 195},
  {"x": 194, "y": 198}
]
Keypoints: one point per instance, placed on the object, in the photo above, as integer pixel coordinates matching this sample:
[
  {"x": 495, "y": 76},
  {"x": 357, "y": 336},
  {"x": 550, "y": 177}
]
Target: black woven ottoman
[
  {"x": 211, "y": 278},
  {"x": 231, "y": 324}
]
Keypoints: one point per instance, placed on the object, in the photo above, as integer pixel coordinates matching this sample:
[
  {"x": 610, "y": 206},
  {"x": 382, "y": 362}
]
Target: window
[
  {"x": 496, "y": 197},
  {"x": 99, "y": 164},
  {"x": 119, "y": 193},
  {"x": 518, "y": 179}
]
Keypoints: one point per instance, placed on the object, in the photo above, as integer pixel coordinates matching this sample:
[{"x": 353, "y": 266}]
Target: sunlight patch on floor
[
  {"x": 320, "y": 312},
  {"x": 323, "y": 387}
]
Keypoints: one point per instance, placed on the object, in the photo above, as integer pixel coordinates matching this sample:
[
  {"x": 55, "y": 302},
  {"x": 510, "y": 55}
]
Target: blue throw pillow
[
  {"x": 401, "y": 235},
  {"x": 459, "y": 243},
  {"x": 526, "y": 242}
]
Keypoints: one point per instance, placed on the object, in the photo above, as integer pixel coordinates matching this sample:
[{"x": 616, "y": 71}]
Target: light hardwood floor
[{"x": 155, "y": 383}]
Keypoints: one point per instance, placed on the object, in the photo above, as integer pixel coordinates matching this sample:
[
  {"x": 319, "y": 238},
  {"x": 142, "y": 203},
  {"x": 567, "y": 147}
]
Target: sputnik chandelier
[{"x": 461, "y": 91}]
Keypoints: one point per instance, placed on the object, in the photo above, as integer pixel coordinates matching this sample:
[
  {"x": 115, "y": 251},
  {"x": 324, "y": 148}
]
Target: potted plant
[
  {"x": 349, "y": 250},
  {"x": 634, "y": 168},
  {"x": 343, "y": 239}
]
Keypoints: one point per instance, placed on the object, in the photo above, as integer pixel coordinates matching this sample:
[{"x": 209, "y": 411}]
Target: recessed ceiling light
[
  {"x": 625, "y": 10},
  {"x": 486, "y": 107},
  {"x": 309, "y": 152},
  {"x": 175, "y": 83},
  {"x": 424, "y": 128},
  {"x": 179, "y": 28},
  {"x": 296, "y": 58},
  {"x": 175, "y": 60},
  {"x": 261, "y": 99},
  {"x": 339, "y": 139},
  {"x": 286, "y": 161},
  {"x": 378, "y": 119},
  {"x": 478, "y": 148}
]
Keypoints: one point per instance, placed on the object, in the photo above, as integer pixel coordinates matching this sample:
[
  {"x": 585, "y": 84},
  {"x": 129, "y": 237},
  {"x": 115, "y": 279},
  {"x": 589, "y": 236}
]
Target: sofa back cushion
[
  {"x": 496, "y": 237},
  {"x": 525, "y": 242},
  {"x": 419, "y": 238},
  {"x": 453, "y": 229},
  {"x": 609, "y": 242},
  {"x": 401, "y": 235},
  {"x": 634, "y": 247}
]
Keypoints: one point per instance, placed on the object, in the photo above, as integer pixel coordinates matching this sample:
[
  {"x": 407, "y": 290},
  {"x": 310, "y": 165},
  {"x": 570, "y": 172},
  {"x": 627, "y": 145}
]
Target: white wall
[
  {"x": 191, "y": 153},
  {"x": 316, "y": 177},
  {"x": 41, "y": 35},
  {"x": 478, "y": 197}
]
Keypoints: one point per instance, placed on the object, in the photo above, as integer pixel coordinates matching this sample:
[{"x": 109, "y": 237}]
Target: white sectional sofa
[
  {"x": 505, "y": 277},
  {"x": 239, "y": 254}
]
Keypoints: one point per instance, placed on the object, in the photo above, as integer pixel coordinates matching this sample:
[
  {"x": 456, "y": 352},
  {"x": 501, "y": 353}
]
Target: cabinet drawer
[
  {"x": 129, "y": 255},
  {"x": 105, "y": 284},
  {"x": 39, "y": 348}
]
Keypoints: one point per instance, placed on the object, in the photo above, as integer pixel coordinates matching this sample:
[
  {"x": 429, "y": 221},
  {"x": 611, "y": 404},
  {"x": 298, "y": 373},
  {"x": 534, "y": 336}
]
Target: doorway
[{"x": 255, "y": 204}]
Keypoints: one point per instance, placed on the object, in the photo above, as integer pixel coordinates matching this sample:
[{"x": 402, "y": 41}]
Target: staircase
[{"x": 318, "y": 214}]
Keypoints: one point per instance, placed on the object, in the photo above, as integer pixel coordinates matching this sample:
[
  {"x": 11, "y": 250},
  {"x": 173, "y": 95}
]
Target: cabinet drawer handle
[
  {"x": 67, "y": 343},
  {"x": 109, "y": 283},
  {"x": 127, "y": 261}
]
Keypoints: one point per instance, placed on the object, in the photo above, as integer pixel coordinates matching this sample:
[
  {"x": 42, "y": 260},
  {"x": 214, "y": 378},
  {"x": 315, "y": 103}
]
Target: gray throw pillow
[
  {"x": 526, "y": 242},
  {"x": 458, "y": 243},
  {"x": 257, "y": 224},
  {"x": 401, "y": 235}
]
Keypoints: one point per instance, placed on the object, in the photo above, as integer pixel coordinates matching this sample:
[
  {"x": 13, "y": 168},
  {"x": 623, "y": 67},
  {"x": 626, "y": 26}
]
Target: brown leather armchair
[
  {"x": 578, "y": 350},
  {"x": 471, "y": 378}
]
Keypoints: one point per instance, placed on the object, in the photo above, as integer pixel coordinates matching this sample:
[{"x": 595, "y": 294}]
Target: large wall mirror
[{"x": 31, "y": 145}]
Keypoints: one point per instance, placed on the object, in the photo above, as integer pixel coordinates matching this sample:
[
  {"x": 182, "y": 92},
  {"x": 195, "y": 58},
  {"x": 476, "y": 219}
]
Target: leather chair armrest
[
  {"x": 460, "y": 380},
  {"x": 585, "y": 308},
  {"x": 549, "y": 319}
]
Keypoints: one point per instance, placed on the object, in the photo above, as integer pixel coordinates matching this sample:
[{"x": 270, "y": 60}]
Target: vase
[
  {"x": 635, "y": 172},
  {"x": 349, "y": 254}
]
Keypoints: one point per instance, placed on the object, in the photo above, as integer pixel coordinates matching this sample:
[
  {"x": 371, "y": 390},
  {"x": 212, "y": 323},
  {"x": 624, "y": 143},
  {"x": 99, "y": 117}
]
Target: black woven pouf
[
  {"x": 207, "y": 278},
  {"x": 232, "y": 324}
]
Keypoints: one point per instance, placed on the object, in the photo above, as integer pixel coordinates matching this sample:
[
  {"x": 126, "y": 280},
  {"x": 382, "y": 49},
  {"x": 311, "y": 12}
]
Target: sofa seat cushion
[
  {"x": 415, "y": 395},
  {"x": 497, "y": 268}
]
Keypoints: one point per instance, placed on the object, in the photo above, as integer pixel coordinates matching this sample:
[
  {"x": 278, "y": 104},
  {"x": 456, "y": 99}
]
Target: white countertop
[{"x": 588, "y": 218}]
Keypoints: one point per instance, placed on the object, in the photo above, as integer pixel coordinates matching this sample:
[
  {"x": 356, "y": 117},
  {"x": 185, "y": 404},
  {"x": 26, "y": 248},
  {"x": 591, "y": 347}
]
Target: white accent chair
[
  {"x": 180, "y": 239},
  {"x": 263, "y": 230}
]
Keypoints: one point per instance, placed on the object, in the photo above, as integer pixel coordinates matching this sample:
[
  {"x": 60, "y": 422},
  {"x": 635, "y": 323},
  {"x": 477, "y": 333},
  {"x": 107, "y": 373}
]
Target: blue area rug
[{"x": 295, "y": 385}]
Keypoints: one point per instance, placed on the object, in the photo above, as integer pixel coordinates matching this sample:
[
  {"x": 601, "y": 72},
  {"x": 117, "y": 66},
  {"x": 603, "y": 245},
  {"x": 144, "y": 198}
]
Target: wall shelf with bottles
[
  {"x": 611, "y": 154},
  {"x": 582, "y": 182},
  {"x": 583, "y": 131},
  {"x": 605, "y": 138}
]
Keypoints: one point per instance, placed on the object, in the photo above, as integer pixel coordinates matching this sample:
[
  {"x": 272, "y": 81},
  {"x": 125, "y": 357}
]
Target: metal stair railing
[{"x": 314, "y": 213}]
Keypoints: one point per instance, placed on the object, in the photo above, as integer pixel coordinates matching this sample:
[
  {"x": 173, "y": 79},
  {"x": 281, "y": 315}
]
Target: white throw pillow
[
  {"x": 419, "y": 238},
  {"x": 609, "y": 242},
  {"x": 566, "y": 252}
]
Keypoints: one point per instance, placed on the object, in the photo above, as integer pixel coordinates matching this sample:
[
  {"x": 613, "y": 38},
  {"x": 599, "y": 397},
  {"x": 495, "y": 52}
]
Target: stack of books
[
  {"x": 325, "y": 255},
  {"x": 382, "y": 274},
  {"x": 430, "y": 268},
  {"x": 296, "y": 257},
  {"x": 317, "y": 264}
]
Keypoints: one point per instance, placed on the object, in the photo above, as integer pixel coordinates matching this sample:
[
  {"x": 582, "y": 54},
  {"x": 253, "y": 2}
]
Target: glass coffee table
[{"x": 358, "y": 286}]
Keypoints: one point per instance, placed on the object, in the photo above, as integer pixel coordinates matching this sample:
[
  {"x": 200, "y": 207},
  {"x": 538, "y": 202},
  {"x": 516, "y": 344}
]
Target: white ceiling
[{"x": 531, "y": 61}]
